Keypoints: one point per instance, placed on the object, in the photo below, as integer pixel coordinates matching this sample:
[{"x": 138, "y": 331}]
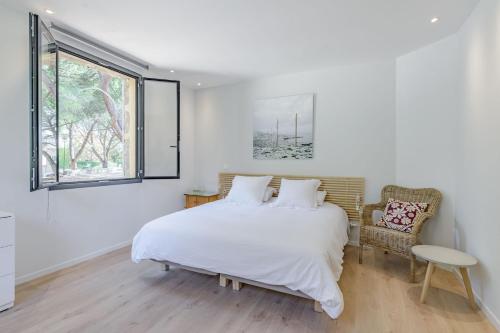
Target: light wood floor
[{"x": 112, "y": 294}]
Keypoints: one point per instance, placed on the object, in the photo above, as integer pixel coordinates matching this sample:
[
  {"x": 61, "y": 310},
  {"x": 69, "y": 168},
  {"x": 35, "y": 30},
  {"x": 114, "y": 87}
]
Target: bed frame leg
[
  {"x": 360, "y": 253},
  {"x": 222, "y": 281},
  {"x": 317, "y": 307},
  {"x": 236, "y": 285},
  {"x": 166, "y": 267}
]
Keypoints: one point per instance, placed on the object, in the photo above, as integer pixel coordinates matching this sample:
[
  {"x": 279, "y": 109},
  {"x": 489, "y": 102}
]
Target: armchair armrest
[
  {"x": 367, "y": 212},
  {"x": 419, "y": 222}
]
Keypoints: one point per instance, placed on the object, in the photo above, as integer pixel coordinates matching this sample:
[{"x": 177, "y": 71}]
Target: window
[
  {"x": 94, "y": 123},
  {"x": 47, "y": 101},
  {"x": 97, "y": 121}
]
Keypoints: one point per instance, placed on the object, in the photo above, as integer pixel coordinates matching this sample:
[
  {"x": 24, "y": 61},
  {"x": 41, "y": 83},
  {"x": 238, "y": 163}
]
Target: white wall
[
  {"x": 426, "y": 129},
  {"x": 456, "y": 84},
  {"x": 354, "y": 125},
  {"x": 478, "y": 181},
  {"x": 60, "y": 226}
]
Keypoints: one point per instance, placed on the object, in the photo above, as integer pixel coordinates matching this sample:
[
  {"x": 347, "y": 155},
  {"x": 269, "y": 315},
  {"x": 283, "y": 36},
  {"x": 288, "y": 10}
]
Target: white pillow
[
  {"x": 270, "y": 191},
  {"x": 320, "y": 197},
  {"x": 248, "y": 190},
  {"x": 298, "y": 193}
]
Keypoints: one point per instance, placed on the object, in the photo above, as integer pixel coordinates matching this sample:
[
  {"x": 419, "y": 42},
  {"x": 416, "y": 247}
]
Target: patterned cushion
[{"x": 400, "y": 215}]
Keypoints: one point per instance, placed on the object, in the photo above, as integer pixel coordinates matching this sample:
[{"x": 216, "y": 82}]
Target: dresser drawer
[
  {"x": 7, "y": 257},
  {"x": 6, "y": 231},
  {"x": 6, "y": 289}
]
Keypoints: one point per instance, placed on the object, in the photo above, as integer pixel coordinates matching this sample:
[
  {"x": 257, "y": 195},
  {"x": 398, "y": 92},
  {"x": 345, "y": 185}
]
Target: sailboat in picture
[
  {"x": 295, "y": 136},
  {"x": 277, "y": 131},
  {"x": 283, "y": 128}
]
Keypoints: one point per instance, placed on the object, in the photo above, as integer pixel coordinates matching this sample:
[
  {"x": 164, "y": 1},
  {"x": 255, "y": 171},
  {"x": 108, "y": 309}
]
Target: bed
[{"x": 293, "y": 250}]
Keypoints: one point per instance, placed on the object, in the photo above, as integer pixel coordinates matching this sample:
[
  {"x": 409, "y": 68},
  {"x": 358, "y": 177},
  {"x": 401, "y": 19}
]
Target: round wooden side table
[{"x": 445, "y": 256}]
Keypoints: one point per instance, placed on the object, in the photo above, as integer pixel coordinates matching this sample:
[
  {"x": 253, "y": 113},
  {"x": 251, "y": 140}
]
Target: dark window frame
[
  {"x": 33, "y": 48},
  {"x": 35, "y": 183},
  {"x": 62, "y": 47},
  {"x": 178, "y": 141}
]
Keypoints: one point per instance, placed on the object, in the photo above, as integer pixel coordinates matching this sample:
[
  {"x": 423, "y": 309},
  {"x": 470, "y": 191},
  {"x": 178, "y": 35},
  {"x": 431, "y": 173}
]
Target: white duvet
[{"x": 301, "y": 249}]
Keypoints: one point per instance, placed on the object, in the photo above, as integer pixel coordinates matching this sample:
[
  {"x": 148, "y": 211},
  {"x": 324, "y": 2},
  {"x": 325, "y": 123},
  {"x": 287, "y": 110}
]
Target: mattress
[{"x": 299, "y": 248}]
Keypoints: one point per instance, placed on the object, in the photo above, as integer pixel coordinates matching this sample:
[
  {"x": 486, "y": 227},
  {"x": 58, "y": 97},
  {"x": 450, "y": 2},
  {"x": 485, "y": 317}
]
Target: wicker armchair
[{"x": 394, "y": 241}]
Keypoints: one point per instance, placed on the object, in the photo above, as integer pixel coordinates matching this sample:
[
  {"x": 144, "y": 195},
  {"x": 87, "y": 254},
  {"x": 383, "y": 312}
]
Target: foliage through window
[
  {"x": 47, "y": 103},
  {"x": 97, "y": 109},
  {"x": 88, "y": 118}
]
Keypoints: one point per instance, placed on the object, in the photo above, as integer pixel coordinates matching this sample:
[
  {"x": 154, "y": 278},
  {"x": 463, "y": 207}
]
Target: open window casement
[
  {"x": 161, "y": 130},
  {"x": 43, "y": 105},
  {"x": 94, "y": 123}
]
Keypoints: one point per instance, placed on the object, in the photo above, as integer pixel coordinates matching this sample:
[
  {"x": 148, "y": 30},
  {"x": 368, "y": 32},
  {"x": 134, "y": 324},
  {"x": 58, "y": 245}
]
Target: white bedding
[{"x": 301, "y": 249}]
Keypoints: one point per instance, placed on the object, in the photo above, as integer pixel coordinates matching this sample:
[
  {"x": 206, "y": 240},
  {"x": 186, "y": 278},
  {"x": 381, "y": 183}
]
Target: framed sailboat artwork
[{"x": 283, "y": 128}]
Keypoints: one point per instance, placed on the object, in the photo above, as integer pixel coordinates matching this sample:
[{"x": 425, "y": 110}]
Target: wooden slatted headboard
[{"x": 346, "y": 192}]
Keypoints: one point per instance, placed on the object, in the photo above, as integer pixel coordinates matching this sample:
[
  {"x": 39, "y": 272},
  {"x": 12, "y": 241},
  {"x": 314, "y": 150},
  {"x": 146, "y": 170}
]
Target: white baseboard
[
  {"x": 69, "y": 263},
  {"x": 487, "y": 312},
  {"x": 484, "y": 308}
]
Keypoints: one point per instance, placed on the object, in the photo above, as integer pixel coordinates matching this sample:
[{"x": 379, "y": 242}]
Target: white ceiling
[{"x": 222, "y": 41}]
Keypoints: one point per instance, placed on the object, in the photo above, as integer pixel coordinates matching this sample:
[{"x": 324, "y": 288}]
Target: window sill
[{"x": 67, "y": 186}]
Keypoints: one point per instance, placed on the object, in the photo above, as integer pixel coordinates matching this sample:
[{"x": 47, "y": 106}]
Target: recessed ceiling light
[
  {"x": 434, "y": 19},
  {"x": 48, "y": 11},
  {"x": 198, "y": 84},
  {"x": 172, "y": 71}
]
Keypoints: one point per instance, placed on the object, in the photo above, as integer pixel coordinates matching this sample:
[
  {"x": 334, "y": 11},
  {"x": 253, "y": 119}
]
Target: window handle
[{"x": 173, "y": 146}]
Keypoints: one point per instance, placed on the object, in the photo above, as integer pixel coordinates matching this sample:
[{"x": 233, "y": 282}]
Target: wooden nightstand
[{"x": 194, "y": 199}]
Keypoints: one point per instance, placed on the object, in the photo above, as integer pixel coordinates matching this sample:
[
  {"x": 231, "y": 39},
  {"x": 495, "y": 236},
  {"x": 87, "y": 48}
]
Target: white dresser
[{"x": 7, "y": 259}]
